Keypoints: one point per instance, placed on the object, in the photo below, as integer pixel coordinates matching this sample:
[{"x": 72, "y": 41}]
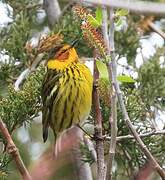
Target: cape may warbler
[{"x": 66, "y": 92}]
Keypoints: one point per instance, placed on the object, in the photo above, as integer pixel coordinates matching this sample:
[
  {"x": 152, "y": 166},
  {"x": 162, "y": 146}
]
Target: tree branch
[
  {"x": 139, "y": 7},
  {"x": 98, "y": 128},
  {"x": 152, "y": 133},
  {"x": 109, "y": 40},
  {"x": 21, "y": 78},
  {"x": 156, "y": 29},
  {"x": 13, "y": 151},
  {"x": 27, "y": 71}
]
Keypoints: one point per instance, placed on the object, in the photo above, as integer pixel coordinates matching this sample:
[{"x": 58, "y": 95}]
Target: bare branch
[
  {"x": 13, "y": 151},
  {"x": 146, "y": 23},
  {"x": 98, "y": 128},
  {"x": 33, "y": 6},
  {"x": 112, "y": 76},
  {"x": 139, "y": 7},
  {"x": 157, "y": 30},
  {"x": 27, "y": 71},
  {"x": 21, "y": 78},
  {"x": 148, "y": 134}
]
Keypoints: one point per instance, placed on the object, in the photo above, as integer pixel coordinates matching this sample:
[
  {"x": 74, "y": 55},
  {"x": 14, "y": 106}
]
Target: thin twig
[
  {"x": 21, "y": 78},
  {"x": 98, "y": 128},
  {"x": 139, "y": 7},
  {"x": 34, "y": 6},
  {"x": 13, "y": 151},
  {"x": 70, "y": 3},
  {"x": 148, "y": 134},
  {"x": 109, "y": 40},
  {"x": 157, "y": 30},
  {"x": 27, "y": 71}
]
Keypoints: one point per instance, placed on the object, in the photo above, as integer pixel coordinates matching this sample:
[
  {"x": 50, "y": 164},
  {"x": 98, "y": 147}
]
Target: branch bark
[
  {"x": 27, "y": 71},
  {"x": 109, "y": 40},
  {"x": 139, "y": 7},
  {"x": 157, "y": 30},
  {"x": 98, "y": 128},
  {"x": 152, "y": 133},
  {"x": 13, "y": 151}
]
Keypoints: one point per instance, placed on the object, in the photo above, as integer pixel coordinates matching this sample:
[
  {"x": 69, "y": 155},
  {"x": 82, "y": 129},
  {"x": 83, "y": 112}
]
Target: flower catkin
[
  {"x": 81, "y": 12},
  {"x": 90, "y": 33},
  {"x": 94, "y": 38}
]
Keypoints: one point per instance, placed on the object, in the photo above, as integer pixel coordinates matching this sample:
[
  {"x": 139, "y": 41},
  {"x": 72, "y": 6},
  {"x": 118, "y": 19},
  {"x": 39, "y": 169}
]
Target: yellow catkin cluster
[
  {"x": 93, "y": 37},
  {"x": 90, "y": 33},
  {"x": 81, "y": 12}
]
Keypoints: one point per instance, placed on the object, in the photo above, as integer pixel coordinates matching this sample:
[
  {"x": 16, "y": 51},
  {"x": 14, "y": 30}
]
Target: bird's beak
[{"x": 74, "y": 43}]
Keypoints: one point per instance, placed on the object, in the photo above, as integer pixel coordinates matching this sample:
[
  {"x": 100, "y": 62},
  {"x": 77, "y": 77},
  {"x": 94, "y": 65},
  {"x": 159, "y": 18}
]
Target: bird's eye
[
  {"x": 62, "y": 54},
  {"x": 64, "y": 50}
]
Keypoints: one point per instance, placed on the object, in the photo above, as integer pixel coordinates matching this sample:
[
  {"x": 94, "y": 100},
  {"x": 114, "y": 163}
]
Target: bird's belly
[{"x": 73, "y": 105}]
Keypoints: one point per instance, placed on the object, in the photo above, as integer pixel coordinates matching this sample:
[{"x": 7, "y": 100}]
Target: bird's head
[
  {"x": 62, "y": 55},
  {"x": 65, "y": 53}
]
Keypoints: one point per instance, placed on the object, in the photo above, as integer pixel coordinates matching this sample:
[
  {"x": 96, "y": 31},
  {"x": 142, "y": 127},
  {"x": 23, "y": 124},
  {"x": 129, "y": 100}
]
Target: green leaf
[
  {"x": 125, "y": 78},
  {"x": 122, "y": 12},
  {"x": 102, "y": 68},
  {"x": 99, "y": 15},
  {"x": 93, "y": 21}
]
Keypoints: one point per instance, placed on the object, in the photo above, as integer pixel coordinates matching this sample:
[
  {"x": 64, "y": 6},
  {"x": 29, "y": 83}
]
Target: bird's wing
[{"x": 49, "y": 92}]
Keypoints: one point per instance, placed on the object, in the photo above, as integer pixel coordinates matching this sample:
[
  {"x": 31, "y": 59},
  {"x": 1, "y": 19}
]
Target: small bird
[{"x": 66, "y": 91}]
